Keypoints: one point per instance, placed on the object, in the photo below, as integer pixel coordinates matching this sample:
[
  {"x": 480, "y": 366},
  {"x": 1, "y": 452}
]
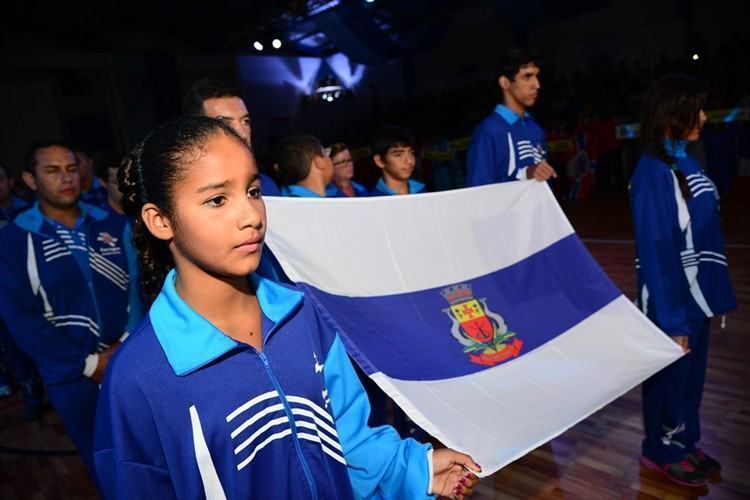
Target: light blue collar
[
  {"x": 414, "y": 186},
  {"x": 32, "y": 219},
  {"x": 295, "y": 190},
  {"x": 508, "y": 114},
  {"x": 675, "y": 148},
  {"x": 190, "y": 341}
]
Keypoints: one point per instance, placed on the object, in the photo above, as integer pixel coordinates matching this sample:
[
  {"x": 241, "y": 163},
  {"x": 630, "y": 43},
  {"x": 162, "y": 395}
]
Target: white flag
[{"x": 479, "y": 311}]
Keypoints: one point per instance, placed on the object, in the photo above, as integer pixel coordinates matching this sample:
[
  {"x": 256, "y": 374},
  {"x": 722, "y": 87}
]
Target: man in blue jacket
[
  {"x": 508, "y": 145},
  {"x": 67, "y": 287},
  {"x": 217, "y": 99}
]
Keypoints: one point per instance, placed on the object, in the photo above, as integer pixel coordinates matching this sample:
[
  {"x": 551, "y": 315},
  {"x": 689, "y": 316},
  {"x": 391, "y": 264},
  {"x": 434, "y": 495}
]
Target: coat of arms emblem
[{"x": 484, "y": 335}]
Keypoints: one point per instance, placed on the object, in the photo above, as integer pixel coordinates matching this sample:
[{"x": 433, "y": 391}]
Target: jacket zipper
[{"x": 295, "y": 438}]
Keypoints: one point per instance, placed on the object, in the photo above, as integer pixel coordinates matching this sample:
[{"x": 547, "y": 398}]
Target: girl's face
[
  {"x": 220, "y": 215},
  {"x": 695, "y": 134},
  {"x": 343, "y": 165}
]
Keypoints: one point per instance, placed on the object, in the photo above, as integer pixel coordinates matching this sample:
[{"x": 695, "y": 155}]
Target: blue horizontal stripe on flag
[{"x": 408, "y": 336}]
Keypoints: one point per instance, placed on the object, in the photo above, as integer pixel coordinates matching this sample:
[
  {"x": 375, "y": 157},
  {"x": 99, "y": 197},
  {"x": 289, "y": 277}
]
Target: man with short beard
[{"x": 67, "y": 287}]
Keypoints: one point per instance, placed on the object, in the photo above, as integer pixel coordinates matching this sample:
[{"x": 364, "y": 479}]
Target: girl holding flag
[
  {"x": 235, "y": 386},
  {"x": 683, "y": 279}
]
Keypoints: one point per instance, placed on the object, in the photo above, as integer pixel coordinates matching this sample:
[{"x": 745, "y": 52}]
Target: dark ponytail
[
  {"x": 148, "y": 175},
  {"x": 671, "y": 109}
]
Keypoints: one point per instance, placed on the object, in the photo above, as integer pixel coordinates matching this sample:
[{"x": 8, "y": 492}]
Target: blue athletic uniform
[
  {"x": 503, "y": 147},
  {"x": 382, "y": 189},
  {"x": 683, "y": 281},
  {"x": 66, "y": 294},
  {"x": 188, "y": 412}
]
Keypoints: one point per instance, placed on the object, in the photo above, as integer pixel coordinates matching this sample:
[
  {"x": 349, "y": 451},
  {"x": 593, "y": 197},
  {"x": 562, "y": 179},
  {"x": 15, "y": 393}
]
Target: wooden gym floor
[{"x": 597, "y": 459}]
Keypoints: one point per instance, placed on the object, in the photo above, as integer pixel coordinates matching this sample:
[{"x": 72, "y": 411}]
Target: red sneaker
[
  {"x": 704, "y": 463},
  {"x": 683, "y": 473}
]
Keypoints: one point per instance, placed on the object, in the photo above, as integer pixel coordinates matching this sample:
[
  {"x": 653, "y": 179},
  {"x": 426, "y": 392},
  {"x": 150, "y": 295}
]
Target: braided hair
[
  {"x": 671, "y": 110},
  {"x": 148, "y": 174}
]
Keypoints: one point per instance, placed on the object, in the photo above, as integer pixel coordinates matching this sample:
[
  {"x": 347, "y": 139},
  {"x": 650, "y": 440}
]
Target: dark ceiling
[{"x": 367, "y": 31}]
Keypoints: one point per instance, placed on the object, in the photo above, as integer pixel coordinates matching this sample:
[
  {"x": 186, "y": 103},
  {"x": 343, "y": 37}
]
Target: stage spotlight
[
  {"x": 258, "y": 46},
  {"x": 276, "y": 43},
  {"x": 696, "y": 57}
]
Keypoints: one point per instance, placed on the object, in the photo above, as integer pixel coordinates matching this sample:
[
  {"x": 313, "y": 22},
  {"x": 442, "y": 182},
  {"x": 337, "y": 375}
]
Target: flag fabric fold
[{"x": 479, "y": 311}]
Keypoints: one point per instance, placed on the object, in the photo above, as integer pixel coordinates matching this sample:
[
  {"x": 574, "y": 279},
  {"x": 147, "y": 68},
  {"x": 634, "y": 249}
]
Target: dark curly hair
[
  {"x": 148, "y": 174},
  {"x": 671, "y": 109}
]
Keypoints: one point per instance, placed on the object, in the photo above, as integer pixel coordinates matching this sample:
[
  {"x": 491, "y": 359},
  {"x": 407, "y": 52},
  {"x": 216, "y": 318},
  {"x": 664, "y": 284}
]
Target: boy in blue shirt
[
  {"x": 508, "y": 145},
  {"x": 66, "y": 293},
  {"x": 393, "y": 152},
  {"x": 305, "y": 166}
]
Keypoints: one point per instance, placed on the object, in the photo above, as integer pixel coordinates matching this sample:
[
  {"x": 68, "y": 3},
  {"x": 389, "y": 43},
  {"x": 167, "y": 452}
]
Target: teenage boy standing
[
  {"x": 509, "y": 145},
  {"x": 393, "y": 152}
]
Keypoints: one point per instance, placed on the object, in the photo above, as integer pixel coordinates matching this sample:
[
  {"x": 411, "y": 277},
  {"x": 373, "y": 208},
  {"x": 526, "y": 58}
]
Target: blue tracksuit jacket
[
  {"x": 67, "y": 293},
  {"x": 503, "y": 146},
  {"x": 681, "y": 266},
  {"x": 382, "y": 189},
  {"x": 187, "y": 412}
]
